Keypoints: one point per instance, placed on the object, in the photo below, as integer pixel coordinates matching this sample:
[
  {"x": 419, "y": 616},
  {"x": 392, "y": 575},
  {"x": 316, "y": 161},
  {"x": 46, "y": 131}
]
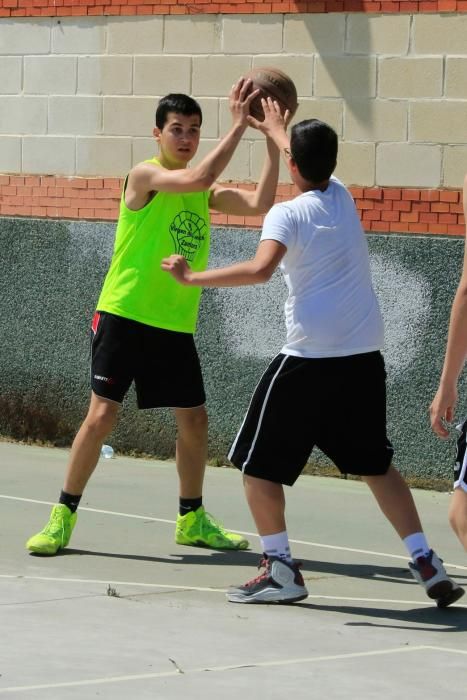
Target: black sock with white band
[
  {"x": 186, "y": 505},
  {"x": 70, "y": 501}
]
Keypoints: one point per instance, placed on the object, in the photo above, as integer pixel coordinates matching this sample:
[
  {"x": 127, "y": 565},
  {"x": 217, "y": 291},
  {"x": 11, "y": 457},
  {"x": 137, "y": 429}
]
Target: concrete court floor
[{"x": 126, "y": 613}]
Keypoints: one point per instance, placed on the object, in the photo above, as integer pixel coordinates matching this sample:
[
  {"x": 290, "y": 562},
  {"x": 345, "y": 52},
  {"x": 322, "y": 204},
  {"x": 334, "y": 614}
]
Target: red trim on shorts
[{"x": 95, "y": 322}]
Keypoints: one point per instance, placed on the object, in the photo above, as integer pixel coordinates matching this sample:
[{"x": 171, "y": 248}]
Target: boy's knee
[
  {"x": 101, "y": 422},
  {"x": 458, "y": 521},
  {"x": 452, "y": 517},
  {"x": 458, "y": 517},
  {"x": 192, "y": 420}
]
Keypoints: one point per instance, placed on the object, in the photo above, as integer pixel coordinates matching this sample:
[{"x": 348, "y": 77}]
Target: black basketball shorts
[
  {"x": 164, "y": 365},
  {"x": 460, "y": 466},
  {"x": 337, "y": 404}
]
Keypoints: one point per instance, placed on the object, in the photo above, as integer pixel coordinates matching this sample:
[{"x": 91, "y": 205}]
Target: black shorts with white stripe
[
  {"x": 460, "y": 467},
  {"x": 337, "y": 404}
]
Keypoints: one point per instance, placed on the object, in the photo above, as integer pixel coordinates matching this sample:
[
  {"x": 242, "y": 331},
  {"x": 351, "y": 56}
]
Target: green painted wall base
[{"x": 50, "y": 277}]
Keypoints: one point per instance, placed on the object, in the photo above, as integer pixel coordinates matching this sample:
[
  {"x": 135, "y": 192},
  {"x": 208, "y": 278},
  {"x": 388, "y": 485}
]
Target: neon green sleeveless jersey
[{"x": 135, "y": 286}]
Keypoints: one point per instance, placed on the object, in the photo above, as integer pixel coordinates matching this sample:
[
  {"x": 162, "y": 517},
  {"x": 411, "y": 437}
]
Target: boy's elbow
[
  {"x": 266, "y": 276},
  {"x": 201, "y": 180},
  {"x": 207, "y": 181},
  {"x": 265, "y": 204},
  {"x": 263, "y": 274},
  {"x": 270, "y": 202}
]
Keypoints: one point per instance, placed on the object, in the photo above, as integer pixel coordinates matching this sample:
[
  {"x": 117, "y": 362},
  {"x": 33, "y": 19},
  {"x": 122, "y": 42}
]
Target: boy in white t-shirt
[{"x": 327, "y": 385}]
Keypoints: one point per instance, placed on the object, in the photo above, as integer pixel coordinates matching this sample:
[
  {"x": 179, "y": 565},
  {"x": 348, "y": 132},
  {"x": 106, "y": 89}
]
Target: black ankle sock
[
  {"x": 186, "y": 505},
  {"x": 72, "y": 502}
]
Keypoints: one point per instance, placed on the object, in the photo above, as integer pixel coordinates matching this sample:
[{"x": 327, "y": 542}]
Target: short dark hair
[
  {"x": 313, "y": 146},
  {"x": 179, "y": 103}
]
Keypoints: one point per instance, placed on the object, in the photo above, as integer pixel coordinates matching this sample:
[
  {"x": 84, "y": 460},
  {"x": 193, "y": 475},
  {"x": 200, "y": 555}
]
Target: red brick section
[
  {"x": 71, "y": 8},
  {"x": 401, "y": 210},
  {"x": 381, "y": 209},
  {"x": 59, "y": 197}
]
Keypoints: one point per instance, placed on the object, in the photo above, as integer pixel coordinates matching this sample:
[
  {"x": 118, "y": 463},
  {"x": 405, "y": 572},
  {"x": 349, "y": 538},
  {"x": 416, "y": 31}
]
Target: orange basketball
[{"x": 273, "y": 83}]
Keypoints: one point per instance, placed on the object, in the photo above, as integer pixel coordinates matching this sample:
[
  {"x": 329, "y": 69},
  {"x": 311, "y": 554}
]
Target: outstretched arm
[
  {"x": 445, "y": 400},
  {"x": 274, "y": 129},
  {"x": 242, "y": 202},
  {"x": 258, "y": 269}
]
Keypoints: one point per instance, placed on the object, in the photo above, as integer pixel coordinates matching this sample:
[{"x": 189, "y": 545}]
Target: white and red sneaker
[
  {"x": 280, "y": 582},
  {"x": 430, "y": 573}
]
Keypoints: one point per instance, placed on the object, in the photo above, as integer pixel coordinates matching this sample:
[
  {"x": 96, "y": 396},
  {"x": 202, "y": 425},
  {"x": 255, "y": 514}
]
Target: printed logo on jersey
[{"x": 188, "y": 231}]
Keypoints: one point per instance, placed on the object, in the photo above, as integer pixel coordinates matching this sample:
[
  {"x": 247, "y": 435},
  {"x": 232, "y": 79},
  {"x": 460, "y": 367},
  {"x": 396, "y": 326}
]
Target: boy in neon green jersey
[{"x": 145, "y": 320}]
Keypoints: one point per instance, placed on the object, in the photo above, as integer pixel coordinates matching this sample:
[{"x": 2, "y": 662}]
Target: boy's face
[{"x": 179, "y": 138}]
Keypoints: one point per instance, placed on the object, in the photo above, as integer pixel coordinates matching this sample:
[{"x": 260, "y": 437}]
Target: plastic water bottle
[{"x": 107, "y": 452}]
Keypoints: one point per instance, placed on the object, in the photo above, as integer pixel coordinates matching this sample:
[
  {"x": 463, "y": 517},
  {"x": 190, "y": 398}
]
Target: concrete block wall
[
  {"x": 386, "y": 83},
  {"x": 78, "y": 94}
]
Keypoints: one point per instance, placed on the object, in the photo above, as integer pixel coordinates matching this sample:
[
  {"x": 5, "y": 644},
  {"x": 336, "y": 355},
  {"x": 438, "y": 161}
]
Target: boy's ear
[
  {"x": 291, "y": 164},
  {"x": 156, "y": 132}
]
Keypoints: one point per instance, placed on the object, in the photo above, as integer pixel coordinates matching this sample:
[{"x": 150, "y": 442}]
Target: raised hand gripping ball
[{"x": 273, "y": 83}]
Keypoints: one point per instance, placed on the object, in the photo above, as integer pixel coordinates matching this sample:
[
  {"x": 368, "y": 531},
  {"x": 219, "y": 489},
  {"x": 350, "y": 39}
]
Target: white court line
[
  {"x": 205, "y": 589},
  {"x": 231, "y": 667},
  {"x": 115, "y": 583},
  {"x": 91, "y": 510},
  {"x": 241, "y": 532}
]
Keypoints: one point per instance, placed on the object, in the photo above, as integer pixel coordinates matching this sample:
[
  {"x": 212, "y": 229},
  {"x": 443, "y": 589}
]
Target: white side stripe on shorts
[
  {"x": 234, "y": 444},
  {"x": 263, "y": 408},
  {"x": 461, "y": 482}
]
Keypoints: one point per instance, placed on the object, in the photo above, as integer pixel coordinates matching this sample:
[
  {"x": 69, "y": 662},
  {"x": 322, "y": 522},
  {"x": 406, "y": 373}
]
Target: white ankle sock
[
  {"x": 417, "y": 545},
  {"x": 277, "y": 545}
]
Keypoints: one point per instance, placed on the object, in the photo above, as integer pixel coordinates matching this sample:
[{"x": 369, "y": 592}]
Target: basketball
[{"x": 273, "y": 83}]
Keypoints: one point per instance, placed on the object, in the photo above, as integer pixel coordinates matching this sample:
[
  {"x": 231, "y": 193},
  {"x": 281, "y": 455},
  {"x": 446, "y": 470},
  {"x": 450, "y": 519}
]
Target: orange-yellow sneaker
[
  {"x": 56, "y": 533},
  {"x": 199, "y": 529}
]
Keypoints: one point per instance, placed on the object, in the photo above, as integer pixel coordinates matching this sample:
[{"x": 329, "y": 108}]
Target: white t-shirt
[{"x": 331, "y": 309}]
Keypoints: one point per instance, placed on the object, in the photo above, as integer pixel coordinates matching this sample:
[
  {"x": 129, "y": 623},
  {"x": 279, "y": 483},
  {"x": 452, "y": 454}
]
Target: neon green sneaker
[
  {"x": 199, "y": 529},
  {"x": 56, "y": 533}
]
